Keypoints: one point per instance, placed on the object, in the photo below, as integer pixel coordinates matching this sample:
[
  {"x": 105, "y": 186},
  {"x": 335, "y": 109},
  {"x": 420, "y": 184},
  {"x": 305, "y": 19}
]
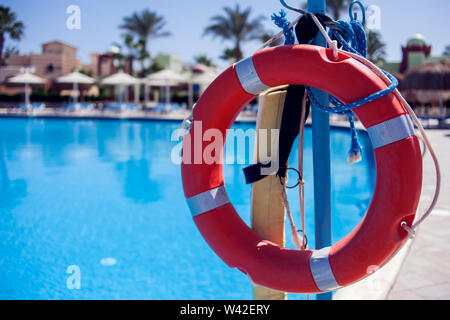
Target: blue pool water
[{"x": 103, "y": 196}]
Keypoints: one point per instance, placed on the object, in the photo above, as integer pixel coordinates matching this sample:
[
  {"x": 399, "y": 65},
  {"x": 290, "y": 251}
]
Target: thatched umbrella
[{"x": 428, "y": 83}]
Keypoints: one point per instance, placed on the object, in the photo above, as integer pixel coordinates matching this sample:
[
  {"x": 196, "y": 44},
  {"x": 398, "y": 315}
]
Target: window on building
[{"x": 50, "y": 68}]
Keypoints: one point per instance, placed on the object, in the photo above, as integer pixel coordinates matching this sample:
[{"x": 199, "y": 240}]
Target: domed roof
[{"x": 417, "y": 40}]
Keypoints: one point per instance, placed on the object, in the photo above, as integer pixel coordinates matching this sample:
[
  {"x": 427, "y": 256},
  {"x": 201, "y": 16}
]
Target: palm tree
[
  {"x": 228, "y": 55},
  {"x": 130, "y": 45},
  {"x": 9, "y": 50},
  {"x": 204, "y": 59},
  {"x": 267, "y": 35},
  {"x": 9, "y": 26},
  {"x": 145, "y": 26},
  {"x": 375, "y": 47},
  {"x": 335, "y": 7},
  {"x": 237, "y": 26}
]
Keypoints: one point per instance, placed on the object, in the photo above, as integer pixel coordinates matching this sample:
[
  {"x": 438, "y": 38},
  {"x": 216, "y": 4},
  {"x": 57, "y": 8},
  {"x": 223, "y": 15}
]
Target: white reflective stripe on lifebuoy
[
  {"x": 249, "y": 78},
  {"x": 391, "y": 131},
  {"x": 321, "y": 270},
  {"x": 208, "y": 200}
]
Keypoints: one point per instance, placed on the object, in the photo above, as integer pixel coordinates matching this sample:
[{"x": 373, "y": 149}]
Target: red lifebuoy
[{"x": 398, "y": 172}]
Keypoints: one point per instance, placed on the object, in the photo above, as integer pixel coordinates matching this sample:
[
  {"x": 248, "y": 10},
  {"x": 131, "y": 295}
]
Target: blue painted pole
[{"x": 321, "y": 158}]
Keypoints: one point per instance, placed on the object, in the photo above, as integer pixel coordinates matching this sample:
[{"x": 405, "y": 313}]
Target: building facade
[
  {"x": 57, "y": 59},
  {"x": 170, "y": 61},
  {"x": 416, "y": 53}
]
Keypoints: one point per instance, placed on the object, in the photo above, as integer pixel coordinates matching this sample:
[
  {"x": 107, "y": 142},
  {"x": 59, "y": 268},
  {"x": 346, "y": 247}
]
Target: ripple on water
[{"x": 107, "y": 262}]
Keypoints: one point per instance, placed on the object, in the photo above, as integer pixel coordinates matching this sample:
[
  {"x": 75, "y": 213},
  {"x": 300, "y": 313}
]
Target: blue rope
[
  {"x": 353, "y": 39},
  {"x": 360, "y": 37},
  {"x": 281, "y": 21},
  {"x": 341, "y": 108}
]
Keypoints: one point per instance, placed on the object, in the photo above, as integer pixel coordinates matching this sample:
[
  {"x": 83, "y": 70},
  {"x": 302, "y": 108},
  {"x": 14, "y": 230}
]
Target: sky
[{"x": 45, "y": 20}]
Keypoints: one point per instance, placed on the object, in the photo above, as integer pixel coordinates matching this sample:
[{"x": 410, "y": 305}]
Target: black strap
[
  {"x": 306, "y": 29},
  {"x": 290, "y": 121},
  {"x": 253, "y": 173},
  {"x": 289, "y": 130}
]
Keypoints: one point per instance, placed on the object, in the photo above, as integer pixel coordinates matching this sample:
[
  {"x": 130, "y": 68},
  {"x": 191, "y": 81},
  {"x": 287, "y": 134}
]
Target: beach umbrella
[
  {"x": 121, "y": 79},
  {"x": 428, "y": 83},
  {"x": 76, "y": 78},
  {"x": 166, "y": 78},
  {"x": 28, "y": 79}
]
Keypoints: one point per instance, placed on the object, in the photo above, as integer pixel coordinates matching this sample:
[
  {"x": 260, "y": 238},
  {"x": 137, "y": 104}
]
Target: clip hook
[{"x": 354, "y": 15}]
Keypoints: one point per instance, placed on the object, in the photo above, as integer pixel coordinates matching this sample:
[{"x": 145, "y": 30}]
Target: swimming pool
[{"x": 103, "y": 196}]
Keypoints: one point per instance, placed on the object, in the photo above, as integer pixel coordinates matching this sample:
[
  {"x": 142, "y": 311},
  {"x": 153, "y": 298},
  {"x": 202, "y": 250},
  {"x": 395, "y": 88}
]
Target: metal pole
[
  {"x": 321, "y": 158},
  {"x": 75, "y": 93},
  {"x": 121, "y": 97},
  {"x": 167, "y": 96},
  {"x": 146, "y": 93},
  {"x": 27, "y": 96},
  {"x": 126, "y": 92}
]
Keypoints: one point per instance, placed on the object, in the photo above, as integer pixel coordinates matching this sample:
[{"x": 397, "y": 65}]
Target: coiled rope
[{"x": 281, "y": 21}]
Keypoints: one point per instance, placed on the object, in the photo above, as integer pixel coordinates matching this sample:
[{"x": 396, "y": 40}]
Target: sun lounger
[
  {"x": 33, "y": 106},
  {"x": 122, "y": 106},
  {"x": 163, "y": 107},
  {"x": 79, "y": 106}
]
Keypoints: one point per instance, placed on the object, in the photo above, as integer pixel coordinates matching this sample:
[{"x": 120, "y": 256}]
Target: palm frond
[
  {"x": 147, "y": 24},
  {"x": 9, "y": 24},
  {"x": 235, "y": 24}
]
